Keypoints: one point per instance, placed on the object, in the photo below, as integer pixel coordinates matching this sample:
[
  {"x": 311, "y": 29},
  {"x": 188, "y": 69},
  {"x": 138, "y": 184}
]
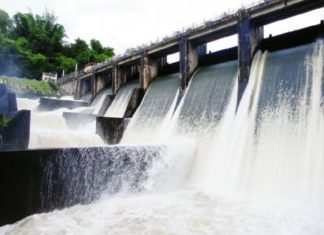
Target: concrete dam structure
[{"x": 229, "y": 142}]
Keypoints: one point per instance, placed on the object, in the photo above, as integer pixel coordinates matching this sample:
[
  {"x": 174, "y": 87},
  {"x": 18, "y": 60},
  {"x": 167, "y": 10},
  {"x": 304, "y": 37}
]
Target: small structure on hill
[
  {"x": 88, "y": 67},
  {"x": 49, "y": 77}
]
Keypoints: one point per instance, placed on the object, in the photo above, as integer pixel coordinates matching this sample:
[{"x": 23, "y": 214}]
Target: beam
[{"x": 118, "y": 78}]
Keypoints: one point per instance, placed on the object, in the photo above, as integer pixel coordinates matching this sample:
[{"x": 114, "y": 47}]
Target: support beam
[
  {"x": 149, "y": 70},
  {"x": 77, "y": 95},
  {"x": 248, "y": 38},
  {"x": 188, "y": 61},
  {"x": 93, "y": 84},
  {"x": 118, "y": 78}
]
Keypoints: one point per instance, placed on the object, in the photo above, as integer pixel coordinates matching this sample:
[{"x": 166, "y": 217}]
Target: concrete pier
[
  {"x": 149, "y": 70},
  {"x": 188, "y": 61}
]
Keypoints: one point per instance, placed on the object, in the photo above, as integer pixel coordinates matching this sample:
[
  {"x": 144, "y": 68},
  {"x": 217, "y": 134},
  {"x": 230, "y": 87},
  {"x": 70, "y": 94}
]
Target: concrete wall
[
  {"x": 34, "y": 181},
  {"x": 47, "y": 104},
  {"x": 118, "y": 78},
  {"x": 149, "y": 70},
  {"x": 102, "y": 81},
  {"x": 70, "y": 87},
  {"x": 8, "y": 102},
  {"x": 15, "y": 135}
]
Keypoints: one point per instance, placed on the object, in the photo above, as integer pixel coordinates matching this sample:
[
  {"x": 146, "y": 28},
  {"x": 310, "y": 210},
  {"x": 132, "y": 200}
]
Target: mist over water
[{"x": 255, "y": 171}]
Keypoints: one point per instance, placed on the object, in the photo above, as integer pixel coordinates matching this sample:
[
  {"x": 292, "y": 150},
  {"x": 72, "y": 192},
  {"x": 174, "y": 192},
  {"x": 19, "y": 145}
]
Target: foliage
[
  {"x": 32, "y": 44},
  {"x": 4, "y": 121}
]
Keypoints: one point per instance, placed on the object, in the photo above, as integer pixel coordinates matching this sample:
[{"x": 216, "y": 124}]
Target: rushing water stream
[{"x": 259, "y": 170}]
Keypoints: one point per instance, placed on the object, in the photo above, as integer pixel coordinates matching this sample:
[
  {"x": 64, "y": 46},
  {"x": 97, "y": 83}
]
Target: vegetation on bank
[
  {"x": 24, "y": 85},
  {"x": 4, "y": 121},
  {"x": 32, "y": 44}
]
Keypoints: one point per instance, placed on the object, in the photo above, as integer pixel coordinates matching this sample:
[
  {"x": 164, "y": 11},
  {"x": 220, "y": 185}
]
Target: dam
[{"x": 216, "y": 145}]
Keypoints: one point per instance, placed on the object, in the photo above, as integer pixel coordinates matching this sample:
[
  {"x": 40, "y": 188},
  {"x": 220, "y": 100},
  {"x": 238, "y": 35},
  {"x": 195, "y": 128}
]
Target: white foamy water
[
  {"x": 29, "y": 104},
  {"x": 178, "y": 212},
  {"x": 205, "y": 114},
  {"x": 121, "y": 100},
  {"x": 49, "y": 129},
  {"x": 277, "y": 153},
  {"x": 150, "y": 120}
]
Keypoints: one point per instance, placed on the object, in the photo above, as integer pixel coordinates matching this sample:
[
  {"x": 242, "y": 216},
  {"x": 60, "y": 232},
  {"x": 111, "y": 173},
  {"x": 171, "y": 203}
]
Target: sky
[{"x": 123, "y": 24}]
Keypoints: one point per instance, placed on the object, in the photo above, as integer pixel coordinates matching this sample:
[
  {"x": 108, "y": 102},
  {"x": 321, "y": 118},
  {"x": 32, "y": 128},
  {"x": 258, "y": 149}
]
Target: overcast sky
[{"x": 122, "y": 24}]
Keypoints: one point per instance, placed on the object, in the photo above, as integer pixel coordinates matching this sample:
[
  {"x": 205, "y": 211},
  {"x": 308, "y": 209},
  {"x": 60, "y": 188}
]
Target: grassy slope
[{"x": 32, "y": 86}]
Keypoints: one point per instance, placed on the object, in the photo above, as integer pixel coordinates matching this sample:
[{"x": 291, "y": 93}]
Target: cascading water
[
  {"x": 99, "y": 100},
  {"x": 120, "y": 102},
  {"x": 280, "y": 158},
  {"x": 205, "y": 114},
  {"x": 155, "y": 111},
  {"x": 271, "y": 150},
  {"x": 49, "y": 129}
]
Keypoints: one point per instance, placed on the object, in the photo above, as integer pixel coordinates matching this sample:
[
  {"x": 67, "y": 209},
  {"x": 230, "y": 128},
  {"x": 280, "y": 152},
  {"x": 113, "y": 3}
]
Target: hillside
[{"x": 26, "y": 87}]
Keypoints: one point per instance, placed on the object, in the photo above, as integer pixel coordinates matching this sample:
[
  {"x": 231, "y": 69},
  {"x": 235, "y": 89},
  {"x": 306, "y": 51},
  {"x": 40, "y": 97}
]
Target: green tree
[
  {"x": 32, "y": 44},
  {"x": 5, "y": 23},
  {"x": 100, "y": 53}
]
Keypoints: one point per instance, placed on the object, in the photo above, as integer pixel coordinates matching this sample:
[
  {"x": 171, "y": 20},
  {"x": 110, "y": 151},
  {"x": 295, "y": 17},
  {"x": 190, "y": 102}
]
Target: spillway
[
  {"x": 155, "y": 111},
  {"x": 49, "y": 129},
  {"x": 205, "y": 115},
  {"x": 254, "y": 170},
  {"x": 98, "y": 102},
  {"x": 280, "y": 157},
  {"x": 120, "y": 102}
]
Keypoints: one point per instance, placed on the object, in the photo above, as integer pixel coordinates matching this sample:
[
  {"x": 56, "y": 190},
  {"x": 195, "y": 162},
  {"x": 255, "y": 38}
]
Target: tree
[
  {"x": 100, "y": 53},
  {"x": 32, "y": 44},
  {"x": 5, "y": 23}
]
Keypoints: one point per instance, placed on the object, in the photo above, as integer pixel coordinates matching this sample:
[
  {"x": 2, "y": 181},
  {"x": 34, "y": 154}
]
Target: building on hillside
[
  {"x": 49, "y": 77},
  {"x": 88, "y": 67}
]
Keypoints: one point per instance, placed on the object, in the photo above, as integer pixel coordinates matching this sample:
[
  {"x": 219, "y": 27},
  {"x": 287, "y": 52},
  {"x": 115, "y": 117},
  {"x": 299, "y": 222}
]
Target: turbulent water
[
  {"x": 205, "y": 114},
  {"x": 257, "y": 171},
  {"x": 49, "y": 129},
  {"x": 278, "y": 153},
  {"x": 150, "y": 119},
  {"x": 99, "y": 100},
  {"x": 120, "y": 102}
]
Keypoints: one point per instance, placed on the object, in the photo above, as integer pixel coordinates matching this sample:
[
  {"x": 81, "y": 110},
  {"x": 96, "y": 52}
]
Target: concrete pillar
[
  {"x": 77, "y": 94},
  {"x": 118, "y": 78},
  {"x": 248, "y": 38},
  {"x": 93, "y": 83},
  {"x": 188, "y": 61},
  {"x": 110, "y": 129},
  {"x": 149, "y": 70}
]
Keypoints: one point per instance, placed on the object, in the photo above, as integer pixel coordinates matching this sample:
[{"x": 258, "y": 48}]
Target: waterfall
[
  {"x": 120, "y": 102},
  {"x": 49, "y": 129},
  {"x": 205, "y": 114},
  {"x": 148, "y": 123},
  {"x": 280, "y": 156},
  {"x": 98, "y": 102}
]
